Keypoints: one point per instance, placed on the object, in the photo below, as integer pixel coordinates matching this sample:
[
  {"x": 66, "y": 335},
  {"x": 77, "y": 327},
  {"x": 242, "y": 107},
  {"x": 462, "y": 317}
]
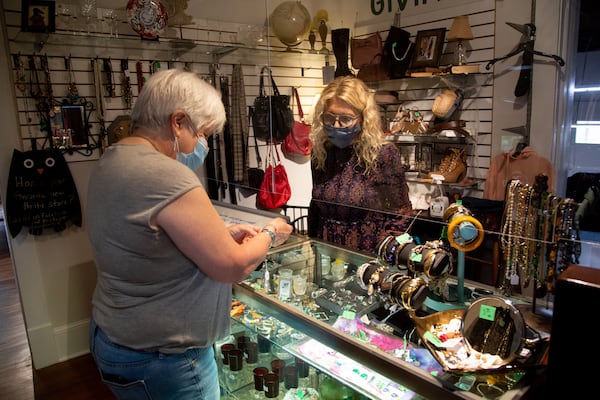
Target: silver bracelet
[{"x": 271, "y": 234}]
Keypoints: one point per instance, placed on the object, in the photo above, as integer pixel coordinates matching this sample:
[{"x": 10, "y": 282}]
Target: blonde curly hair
[{"x": 357, "y": 95}]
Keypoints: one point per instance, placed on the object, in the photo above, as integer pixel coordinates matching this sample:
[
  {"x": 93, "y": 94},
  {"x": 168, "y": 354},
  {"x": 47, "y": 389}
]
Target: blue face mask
[
  {"x": 342, "y": 137},
  {"x": 195, "y": 159}
]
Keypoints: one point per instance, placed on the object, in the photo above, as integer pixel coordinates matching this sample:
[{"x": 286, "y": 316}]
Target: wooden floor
[{"x": 76, "y": 379}]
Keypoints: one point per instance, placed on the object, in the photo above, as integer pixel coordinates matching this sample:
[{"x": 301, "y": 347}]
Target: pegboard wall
[{"x": 98, "y": 57}]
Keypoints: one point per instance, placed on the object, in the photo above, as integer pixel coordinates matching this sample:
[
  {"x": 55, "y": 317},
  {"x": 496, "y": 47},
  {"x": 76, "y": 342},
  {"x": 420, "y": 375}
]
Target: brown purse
[{"x": 366, "y": 51}]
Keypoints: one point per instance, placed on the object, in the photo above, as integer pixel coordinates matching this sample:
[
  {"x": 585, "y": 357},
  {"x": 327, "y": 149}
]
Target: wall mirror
[{"x": 69, "y": 126}]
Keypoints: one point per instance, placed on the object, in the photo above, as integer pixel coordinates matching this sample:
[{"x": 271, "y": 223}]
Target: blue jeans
[{"x": 139, "y": 375}]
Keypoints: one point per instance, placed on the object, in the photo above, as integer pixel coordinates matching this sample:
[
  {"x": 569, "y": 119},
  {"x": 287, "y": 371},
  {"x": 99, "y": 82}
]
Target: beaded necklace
[
  {"x": 525, "y": 233},
  {"x": 553, "y": 235},
  {"x": 541, "y": 220},
  {"x": 507, "y": 239}
]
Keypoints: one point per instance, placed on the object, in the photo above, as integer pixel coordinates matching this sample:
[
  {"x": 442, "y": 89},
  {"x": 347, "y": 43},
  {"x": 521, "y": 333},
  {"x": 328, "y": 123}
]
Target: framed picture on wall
[
  {"x": 428, "y": 48},
  {"x": 37, "y": 16}
]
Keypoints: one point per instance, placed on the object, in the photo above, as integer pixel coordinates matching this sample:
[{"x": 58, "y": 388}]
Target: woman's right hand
[{"x": 282, "y": 230}]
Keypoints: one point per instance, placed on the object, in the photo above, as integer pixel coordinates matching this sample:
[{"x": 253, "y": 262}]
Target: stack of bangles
[
  {"x": 401, "y": 289},
  {"x": 431, "y": 259},
  {"x": 410, "y": 293},
  {"x": 437, "y": 261},
  {"x": 390, "y": 248}
]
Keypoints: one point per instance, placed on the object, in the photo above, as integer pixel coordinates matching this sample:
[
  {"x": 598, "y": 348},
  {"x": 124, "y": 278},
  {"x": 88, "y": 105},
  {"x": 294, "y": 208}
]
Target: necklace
[{"x": 508, "y": 240}]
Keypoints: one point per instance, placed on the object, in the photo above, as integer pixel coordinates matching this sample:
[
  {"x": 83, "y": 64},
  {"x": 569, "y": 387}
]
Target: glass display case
[{"x": 306, "y": 305}]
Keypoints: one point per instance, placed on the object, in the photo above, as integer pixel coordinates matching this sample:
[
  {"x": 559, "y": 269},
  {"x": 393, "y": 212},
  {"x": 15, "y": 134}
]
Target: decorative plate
[{"x": 147, "y": 17}]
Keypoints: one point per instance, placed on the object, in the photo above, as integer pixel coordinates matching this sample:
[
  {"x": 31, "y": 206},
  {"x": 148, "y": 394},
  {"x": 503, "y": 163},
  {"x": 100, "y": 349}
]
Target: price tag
[
  {"x": 433, "y": 339},
  {"x": 416, "y": 257},
  {"x": 514, "y": 279},
  {"x": 487, "y": 312},
  {"x": 405, "y": 237}
]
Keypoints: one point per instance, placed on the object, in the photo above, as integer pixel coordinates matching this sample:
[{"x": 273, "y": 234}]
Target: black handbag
[
  {"x": 272, "y": 116},
  {"x": 256, "y": 174},
  {"x": 253, "y": 176},
  {"x": 398, "y": 51}
]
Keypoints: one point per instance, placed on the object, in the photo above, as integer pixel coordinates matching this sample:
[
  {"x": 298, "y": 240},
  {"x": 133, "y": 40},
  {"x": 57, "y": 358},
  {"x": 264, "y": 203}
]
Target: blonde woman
[{"x": 359, "y": 191}]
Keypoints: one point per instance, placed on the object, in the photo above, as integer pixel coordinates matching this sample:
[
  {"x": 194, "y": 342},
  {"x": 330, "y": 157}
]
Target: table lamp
[{"x": 460, "y": 30}]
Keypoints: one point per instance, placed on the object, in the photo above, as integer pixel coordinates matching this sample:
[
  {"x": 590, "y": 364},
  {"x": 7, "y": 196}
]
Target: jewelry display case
[{"x": 351, "y": 338}]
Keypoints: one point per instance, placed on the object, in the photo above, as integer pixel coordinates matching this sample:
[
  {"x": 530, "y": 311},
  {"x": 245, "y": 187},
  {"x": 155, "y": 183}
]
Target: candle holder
[
  {"x": 312, "y": 38},
  {"x": 323, "y": 30}
]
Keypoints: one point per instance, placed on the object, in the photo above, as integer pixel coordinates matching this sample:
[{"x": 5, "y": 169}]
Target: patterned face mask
[{"x": 342, "y": 137}]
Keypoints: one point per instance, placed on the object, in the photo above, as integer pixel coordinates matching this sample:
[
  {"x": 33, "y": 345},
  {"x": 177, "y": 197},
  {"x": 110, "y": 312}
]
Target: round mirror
[{"x": 493, "y": 325}]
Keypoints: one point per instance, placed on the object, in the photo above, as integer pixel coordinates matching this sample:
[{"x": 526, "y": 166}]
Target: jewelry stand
[
  {"x": 457, "y": 291},
  {"x": 464, "y": 233}
]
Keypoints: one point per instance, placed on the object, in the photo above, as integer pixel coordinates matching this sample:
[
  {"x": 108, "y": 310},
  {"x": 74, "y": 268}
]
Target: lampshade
[{"x": 460, "y": 29}]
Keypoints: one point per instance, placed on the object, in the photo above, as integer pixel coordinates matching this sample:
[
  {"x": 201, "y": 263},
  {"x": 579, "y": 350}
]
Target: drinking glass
[{"x": 299, "y": 285}]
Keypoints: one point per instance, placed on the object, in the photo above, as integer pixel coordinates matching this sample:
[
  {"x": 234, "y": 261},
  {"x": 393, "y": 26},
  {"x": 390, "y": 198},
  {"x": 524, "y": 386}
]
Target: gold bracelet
[
  {"x": 388, "y": 279},
  {"x": 415, "y": 256},
  {"x": 396, "y": 290},
  {"x": 429, "y": 261},
  {"x": 373, "y": 279},
  {"x": 409, "y": 290}
]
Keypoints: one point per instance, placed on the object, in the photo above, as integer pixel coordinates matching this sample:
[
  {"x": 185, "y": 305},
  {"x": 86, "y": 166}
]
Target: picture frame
[
  {"x": 428, "y": 48},
  {"x": 38, "y": 16}
]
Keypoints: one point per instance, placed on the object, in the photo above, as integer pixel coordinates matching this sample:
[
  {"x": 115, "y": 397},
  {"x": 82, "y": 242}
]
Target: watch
[{"x": 271, "y": 234}]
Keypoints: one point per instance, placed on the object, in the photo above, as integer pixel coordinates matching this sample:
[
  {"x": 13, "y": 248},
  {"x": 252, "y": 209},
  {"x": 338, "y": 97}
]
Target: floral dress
[{"x": 354, "y": 210}]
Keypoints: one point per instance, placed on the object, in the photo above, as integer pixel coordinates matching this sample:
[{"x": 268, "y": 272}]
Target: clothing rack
[{"x": 527, "y": 47}]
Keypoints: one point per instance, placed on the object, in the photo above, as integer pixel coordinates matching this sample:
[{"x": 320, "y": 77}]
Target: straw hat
[{"x": 446, "y": 103}]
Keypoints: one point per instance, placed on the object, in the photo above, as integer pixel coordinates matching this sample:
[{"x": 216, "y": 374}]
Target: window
[{"x": 587, "y": 115}]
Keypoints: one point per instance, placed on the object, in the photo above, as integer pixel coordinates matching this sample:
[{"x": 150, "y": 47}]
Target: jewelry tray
[{"x": 347, "y": 298}]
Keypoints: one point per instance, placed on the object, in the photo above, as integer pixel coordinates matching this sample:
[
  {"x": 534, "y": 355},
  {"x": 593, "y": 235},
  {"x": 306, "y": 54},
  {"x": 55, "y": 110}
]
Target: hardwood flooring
[
  {"x": 75, "y": 379},
  {"x": 16, "y": 372}
]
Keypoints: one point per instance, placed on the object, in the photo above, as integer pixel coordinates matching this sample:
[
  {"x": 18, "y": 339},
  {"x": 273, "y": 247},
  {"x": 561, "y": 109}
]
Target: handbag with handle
[
  {"x": 253, "y": 176},
  {"x": 367, "y": 56},
  {"x": 398, "y": 52},
  {"x": 275, "y": 190},
  {"x": 256, "y": 174},
  {"x": 272, "y": 117},
  {"x": 297, "y": 145},
  {"x": 365, "y": 51}
]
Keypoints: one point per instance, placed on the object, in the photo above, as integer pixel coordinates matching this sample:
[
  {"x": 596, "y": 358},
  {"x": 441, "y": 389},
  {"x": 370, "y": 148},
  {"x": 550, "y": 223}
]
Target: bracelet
[
  {"x": 270, "y": 233},
  {"x": 429, "y": 262},
  {"x": 408, "y": 292},
  {"x": 414, "y": 257}
]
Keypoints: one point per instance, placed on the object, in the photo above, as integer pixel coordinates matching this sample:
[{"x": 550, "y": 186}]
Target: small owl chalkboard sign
[{"x": 41, "y": 193}]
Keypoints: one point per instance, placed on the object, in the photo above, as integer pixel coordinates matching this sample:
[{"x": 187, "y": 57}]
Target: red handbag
[
  {"x": 275, "y": 189},
  {"x": 297, "y": 144}
]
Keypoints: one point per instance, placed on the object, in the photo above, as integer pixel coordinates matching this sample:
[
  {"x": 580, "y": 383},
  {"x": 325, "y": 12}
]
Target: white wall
[{"x": 54, "y": 271}]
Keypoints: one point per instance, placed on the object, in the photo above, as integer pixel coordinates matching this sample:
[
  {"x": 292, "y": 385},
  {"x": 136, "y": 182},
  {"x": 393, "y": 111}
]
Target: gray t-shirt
[{"x": 149, "y": 296}]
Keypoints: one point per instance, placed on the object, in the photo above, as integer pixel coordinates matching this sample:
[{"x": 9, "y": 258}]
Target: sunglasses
[{"x": 342, "y": 120}]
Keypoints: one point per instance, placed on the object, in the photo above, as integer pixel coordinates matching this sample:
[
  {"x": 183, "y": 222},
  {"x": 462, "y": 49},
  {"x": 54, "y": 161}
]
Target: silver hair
[{"x": 169, "y": 90}]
